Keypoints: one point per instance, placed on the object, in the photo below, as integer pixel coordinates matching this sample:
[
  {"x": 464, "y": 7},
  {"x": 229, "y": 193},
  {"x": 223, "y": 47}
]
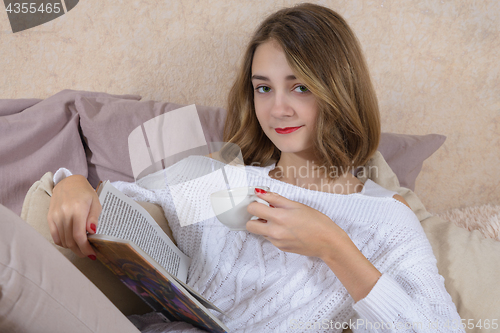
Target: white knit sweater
[{"x": 264, "y": 289}]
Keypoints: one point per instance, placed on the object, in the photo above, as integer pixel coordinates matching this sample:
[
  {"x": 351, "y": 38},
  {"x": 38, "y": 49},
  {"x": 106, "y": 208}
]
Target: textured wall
[{"x": 435, "y": 65}]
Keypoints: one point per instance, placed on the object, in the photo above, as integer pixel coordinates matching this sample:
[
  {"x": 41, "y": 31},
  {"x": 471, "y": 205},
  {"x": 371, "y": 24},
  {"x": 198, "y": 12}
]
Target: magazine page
[
  {"x": 154, "y": 284},
  {"x": 123, "y": 218}
]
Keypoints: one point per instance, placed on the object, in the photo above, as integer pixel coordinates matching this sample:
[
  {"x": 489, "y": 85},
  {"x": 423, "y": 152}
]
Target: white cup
[{"x": 230, "y": 206}]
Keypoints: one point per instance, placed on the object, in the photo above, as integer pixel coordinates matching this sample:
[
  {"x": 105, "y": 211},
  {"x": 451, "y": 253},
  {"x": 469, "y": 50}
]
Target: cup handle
[{"x": 262, "y": 202}]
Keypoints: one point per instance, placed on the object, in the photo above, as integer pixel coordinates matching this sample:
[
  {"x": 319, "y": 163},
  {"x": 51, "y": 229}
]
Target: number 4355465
[
  {"x": 32, "y": 8},
  {"x": 476, "y": 323}
]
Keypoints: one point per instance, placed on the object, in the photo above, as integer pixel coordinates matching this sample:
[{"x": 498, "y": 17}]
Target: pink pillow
[
  {"x": 13, "y": 106},
  {"x": 106, "y": 123},
  {"x": 405, "y": 154},
  {"x": 37, "y": 136}
]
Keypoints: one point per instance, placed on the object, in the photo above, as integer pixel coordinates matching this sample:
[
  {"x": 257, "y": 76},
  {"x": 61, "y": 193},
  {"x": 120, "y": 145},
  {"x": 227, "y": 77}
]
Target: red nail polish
[
  {"x": 261, "y": 191},
  {"x": 93, "y": 227},
  {"x": 93, "y": 257}
]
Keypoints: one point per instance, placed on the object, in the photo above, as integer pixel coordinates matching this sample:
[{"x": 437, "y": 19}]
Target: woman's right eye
[{"x": 263, "y": 89}]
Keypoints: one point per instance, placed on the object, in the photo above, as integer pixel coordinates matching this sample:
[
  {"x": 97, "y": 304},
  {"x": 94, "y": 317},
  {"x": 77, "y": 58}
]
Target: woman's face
[{"x": 285, "y": 108}]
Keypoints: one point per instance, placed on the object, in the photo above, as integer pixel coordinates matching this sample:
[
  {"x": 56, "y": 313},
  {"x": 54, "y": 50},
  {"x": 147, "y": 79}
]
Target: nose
[{"x": 282, "y": 106}]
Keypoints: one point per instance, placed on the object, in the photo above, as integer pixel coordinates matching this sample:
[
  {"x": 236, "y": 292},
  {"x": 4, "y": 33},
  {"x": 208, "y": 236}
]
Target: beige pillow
[
  {"x": 469, "y": 263},
  {"x": 34, "y": 211}
]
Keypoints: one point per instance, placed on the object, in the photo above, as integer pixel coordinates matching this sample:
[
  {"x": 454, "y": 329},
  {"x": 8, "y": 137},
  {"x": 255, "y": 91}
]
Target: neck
[
  {"x": 305, "y": 172},
  {"x": 293, "y": 166}
]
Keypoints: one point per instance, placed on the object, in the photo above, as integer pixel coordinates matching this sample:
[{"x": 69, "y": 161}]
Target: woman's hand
[
  {"x": 74, "y": 210},
  {"x": 294, "y": 227}
]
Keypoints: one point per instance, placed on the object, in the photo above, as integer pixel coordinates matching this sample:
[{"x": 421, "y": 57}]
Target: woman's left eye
[{"x": 301, "y": 89}]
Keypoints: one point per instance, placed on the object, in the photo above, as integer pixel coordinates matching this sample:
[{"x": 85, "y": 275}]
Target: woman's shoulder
[{"x": 373, "y": 189}]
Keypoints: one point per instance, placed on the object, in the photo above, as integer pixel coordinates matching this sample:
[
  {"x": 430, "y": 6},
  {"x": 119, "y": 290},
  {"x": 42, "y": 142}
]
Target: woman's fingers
[
  {"x": 90, "y": 227},
  {"x": 53, "y": 219},
  {"x": 53, "y": 232},
  {"x": 79, "y": 243},
  {"x": 274, "y": 200},
  {"x": 74, "y": 211},
  {"x": 258, "y": 227},
  {"x": 292, "y": 226},
  {"x": 93, "y": 215},
  {"x": 266, "y": 213}
]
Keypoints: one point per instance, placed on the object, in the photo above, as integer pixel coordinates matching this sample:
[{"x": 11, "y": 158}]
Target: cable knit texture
[{"x": 263, "y": 289}]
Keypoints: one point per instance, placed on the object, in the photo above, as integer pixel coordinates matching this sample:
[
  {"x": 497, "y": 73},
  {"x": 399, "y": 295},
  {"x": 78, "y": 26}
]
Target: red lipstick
[{"x": 287, "y": 130}]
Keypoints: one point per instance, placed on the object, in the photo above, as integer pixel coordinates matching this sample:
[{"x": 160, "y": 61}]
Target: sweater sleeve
[
  {"x": 410, "y": 296},
  {"x": 60, "y": 174}
]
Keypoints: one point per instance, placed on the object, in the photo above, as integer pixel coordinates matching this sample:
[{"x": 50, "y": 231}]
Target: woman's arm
[
  {"x": 410, "y": 296},
  {"x": 294, "y": 227},
  {"x": 409, "y": 291},
  {"x": 350, "y": 266}
]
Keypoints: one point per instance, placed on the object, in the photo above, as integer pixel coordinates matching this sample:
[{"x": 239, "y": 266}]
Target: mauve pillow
[
  {"x": 36, "y": 139},
  {"x": 37, "y": 136},
  {"x": 405, "y": 154},
  {"x": 12, "y": 106},
  {"x": 106, "y": 123}
]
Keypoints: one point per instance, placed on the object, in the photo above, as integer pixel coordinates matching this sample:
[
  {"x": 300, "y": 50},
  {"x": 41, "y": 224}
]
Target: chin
[
  {"x": 290, "y": 149},
  {"x": 290, "y": 145}
]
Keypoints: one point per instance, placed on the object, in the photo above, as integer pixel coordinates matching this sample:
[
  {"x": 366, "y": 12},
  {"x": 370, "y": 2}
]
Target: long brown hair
[{"x": 325, "y": 54}]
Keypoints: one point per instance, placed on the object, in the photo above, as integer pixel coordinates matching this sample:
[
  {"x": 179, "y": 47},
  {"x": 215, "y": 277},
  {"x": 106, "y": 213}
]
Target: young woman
[{"x": 326, "y": 255}]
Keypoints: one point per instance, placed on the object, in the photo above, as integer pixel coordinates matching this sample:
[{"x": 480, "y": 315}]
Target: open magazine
[{"x": 134, "y": 247}]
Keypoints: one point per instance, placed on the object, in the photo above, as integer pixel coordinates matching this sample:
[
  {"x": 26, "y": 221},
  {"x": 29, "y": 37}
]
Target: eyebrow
[{"x": 265, "y": 78}]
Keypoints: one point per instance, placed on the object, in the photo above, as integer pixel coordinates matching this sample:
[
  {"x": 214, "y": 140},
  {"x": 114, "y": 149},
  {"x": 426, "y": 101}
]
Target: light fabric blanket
[{"x": 485, "y": 218}]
